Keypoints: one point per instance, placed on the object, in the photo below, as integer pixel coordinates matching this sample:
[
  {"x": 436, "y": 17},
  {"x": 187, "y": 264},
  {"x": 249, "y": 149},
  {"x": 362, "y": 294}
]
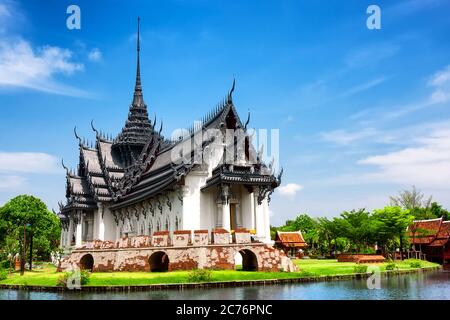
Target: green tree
[
  {"x": 356, "y": 225},
  {"x": 329, "y": 231},
  {"x": 439, "y": 212},
  {"x": 391, "y": 224},
  {"x": 26, "y": 214}
]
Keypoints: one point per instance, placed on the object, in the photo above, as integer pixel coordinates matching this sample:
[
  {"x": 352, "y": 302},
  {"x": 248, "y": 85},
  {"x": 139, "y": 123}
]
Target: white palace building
[{"x": 139, "y": 183}]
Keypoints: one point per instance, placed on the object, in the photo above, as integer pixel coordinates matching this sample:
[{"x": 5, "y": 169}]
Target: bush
[
  {"x": 4, "y": 264},
  {"x": 367, "y": 250},
  {"x": 3, "y": 274},
  {"x": 71, "y": 275},
  {"x": 415, "y": 264},
  {"x": 391, "y": 266},
  {"x": 200, "y": 275},
  {"x": 360, "y": 269}
]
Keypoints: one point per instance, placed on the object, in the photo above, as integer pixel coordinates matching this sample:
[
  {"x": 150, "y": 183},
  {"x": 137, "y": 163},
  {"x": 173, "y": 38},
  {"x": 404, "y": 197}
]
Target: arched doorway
[
  {"x": 159, "y": 262},
  {"x": 87, "y": 262},
  {"x": 249, "y": 260}
]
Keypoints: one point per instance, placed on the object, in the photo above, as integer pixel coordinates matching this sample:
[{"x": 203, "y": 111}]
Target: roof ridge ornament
[
  {"x": 95, "y": 130},
  {"x": 77, "y": 136},
  {"x": 248, "y": 120},
  {"x": 64, "y": 166},
  {"x": 230, "y": 93}
]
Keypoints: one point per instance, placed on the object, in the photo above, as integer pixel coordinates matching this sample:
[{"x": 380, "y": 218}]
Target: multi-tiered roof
[{"x": 139, "y": 163}]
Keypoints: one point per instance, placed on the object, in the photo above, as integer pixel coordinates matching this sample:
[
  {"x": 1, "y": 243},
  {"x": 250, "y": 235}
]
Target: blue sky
[{"x": 362, "y": 113}]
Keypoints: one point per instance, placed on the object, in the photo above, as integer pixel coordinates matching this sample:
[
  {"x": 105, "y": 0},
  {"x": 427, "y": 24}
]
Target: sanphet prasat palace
[{"x": 142, "y": 202}]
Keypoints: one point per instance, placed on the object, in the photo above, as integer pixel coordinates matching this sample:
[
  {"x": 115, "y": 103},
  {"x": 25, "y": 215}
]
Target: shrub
[
  {"x": 3, "y": 274},
  {"x": 4, "y": 264},
  {"x": 66, "y": 276},
  {"x": 367, "y": 250},
  {"x": 360, "y": 269},
  {"x": 391, "y": 266},
  {"x": 415, "y": 264},
  {"x": 200, "y": 275}
]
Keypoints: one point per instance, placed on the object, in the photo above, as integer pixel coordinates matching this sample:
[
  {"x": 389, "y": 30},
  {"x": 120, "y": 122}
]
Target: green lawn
[
  {"x": 308, "y": 267},
  {"x": 328, "y": 267}
]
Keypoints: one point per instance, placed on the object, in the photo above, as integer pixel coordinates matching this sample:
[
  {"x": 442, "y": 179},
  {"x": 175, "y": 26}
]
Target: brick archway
[
  {"x": 249, "y": 260},
  {"x": 87, "y": 262},
  {"x": 159, "y": 262}
]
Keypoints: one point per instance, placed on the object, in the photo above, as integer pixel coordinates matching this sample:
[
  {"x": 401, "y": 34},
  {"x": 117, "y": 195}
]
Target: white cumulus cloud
[
  {"x": 290, "y": 189},
  {"x": 23, "y": 66},
  {"x": 28, "y": 162}
]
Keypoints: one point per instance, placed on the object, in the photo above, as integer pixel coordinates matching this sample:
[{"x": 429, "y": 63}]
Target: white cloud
[
  {"x": 364, "y": 86},
  {"x": 9, "y": 182},
  {"x": 425, "y": 164},
  {"x": 345, "y": 137},
  {"x": 440, "y": 81},
  {"x": 28, "y": 162},
  {"x": 95, "y": 55},
  {"x": 290, "y": 189},
  {"x": 22, "y": 66}
]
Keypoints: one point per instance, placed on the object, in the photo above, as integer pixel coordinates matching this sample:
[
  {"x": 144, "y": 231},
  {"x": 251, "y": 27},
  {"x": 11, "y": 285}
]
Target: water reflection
[{"x": 422, "y": 286}]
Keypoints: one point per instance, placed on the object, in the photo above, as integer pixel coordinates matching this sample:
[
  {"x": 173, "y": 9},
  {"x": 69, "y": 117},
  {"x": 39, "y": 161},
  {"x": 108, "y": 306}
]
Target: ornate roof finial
[
  {"x": 138, "y": 71},
  {"x": 64, "y": 166},
  {"x": 230, "y": 94},
  {"x": 161, "y": 127},
  {"x": 138, "y": 100},
  {"x": 76, "y": 135},
  {"x": 95, "y": 130},
  {"x": 248, "y": 120}
]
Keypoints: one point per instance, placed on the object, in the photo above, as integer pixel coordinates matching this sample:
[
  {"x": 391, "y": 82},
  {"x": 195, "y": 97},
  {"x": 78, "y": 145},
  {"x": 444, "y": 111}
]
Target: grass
[
  {"x": 330, "y": 267},
  {"x": 47, "y": 276}
]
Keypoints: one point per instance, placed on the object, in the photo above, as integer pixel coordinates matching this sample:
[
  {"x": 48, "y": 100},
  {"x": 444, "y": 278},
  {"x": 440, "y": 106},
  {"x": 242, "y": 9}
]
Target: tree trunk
[
  {"x": 31, "y": 250},
  {"x": 401, "y": 247},
  {"x": 22, "y": 264}
]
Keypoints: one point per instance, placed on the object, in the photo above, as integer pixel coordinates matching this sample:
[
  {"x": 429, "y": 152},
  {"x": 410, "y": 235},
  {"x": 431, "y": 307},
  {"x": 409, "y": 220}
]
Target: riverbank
[{"x": 311, "y": 271}]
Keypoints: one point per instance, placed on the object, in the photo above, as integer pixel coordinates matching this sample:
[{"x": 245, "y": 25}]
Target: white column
[
  {"x": 252, "y": 211},
  {"x": 226, "y": 216},
  {"x": 100, "y": 223},
  {"x": 266, "y": 231},
  {"x": 188, "y": 210},
  {"x": 79, "y": 230},
  {"x": 259, "y": 219},
  {"x": 69, "y": 232}
]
